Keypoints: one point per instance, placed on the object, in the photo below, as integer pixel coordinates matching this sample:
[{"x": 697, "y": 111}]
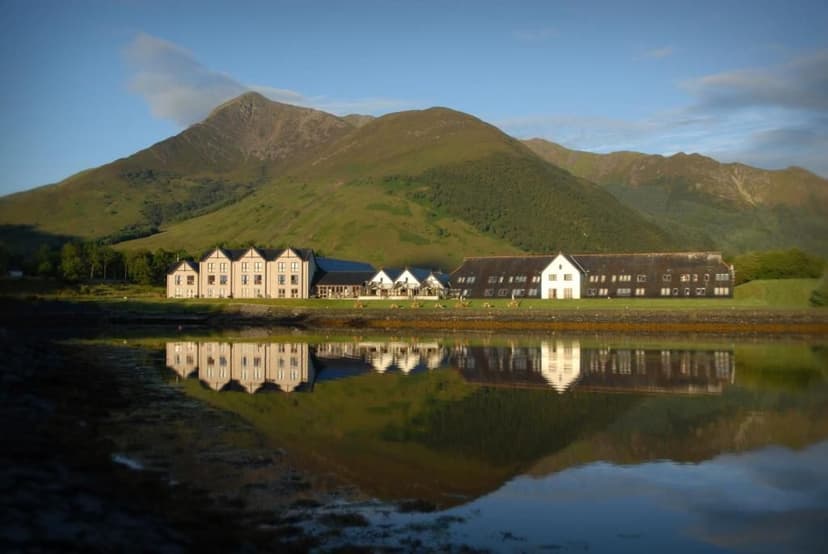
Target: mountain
[
  {"x": 734, "y": 206},
  {"x": 210, "y": 164},
  {"x": 422, "y": 187}
]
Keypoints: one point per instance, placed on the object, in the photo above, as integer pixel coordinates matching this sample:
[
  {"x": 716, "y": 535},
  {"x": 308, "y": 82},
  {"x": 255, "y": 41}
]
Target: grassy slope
[
  {"x": 702, "y": 203},
  {"x": 428, "y": 188}
]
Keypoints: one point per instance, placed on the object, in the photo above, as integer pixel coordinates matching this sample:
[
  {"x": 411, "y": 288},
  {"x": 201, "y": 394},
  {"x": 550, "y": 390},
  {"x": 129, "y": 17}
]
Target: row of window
[
  {"x": 257, "y": 267},
  {"x": 517, "y": 293},
  {"x": 245, "y": 293},
  {"x": 566, "y": 277},
  {"x": 503, "y": 278},
  {"x": 190, "y": 280}
]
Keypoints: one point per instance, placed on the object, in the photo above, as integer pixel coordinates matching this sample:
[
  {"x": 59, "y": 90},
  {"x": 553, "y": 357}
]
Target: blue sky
[{"x": 86, "y": 82}]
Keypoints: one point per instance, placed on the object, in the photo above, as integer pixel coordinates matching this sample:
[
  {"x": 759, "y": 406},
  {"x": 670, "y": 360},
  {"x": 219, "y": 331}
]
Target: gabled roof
[
  {"x": 391, "y": 272},
  {"x": 521, "y": 270},
  {"x": 210, "y": 252},
  {"x": 442, "y": 278},
  {"x": 417, "y": 272},
  {"x": 174, "y": 267}
]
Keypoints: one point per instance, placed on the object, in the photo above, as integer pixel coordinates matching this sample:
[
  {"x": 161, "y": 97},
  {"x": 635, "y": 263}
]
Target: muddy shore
[{"x": 651, "y": 321}]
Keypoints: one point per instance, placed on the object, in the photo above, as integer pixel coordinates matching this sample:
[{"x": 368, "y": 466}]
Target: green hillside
[
  {"x": 732, "y": 207},
  {"x": 205, "y": 167},
  {"x": 422, "y": 187}
]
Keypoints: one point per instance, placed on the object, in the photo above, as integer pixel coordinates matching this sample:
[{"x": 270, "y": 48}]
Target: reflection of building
[
  {"x": 564, "y": 364},
  {"x": 383, "y": 356},
  {"x": 560, "y": 363},
  {"x": 250, "y": 365},
  {"x": 182, "y": 357},
  {"x": 290, "y": 365}
]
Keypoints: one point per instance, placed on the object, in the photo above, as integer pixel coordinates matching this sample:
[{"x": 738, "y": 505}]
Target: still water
[{"x": 541, "y": 443}]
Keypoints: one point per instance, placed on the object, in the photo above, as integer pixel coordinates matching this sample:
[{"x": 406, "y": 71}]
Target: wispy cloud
[
  {"x": 659, "y": 53},
  {"x": 536, "y": 35},
  {"x": 769, "y": 117},
  {"x": 180, "y": 88}
]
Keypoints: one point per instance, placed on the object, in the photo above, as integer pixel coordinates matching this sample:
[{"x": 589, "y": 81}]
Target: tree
[
  {"x": 139, "y": 267},
  {"x": 71, "y": 262},
  {"x": 109, "y": 257},
  {"x": 45, "y": 261},
  {"x": 92, "y": 253}
]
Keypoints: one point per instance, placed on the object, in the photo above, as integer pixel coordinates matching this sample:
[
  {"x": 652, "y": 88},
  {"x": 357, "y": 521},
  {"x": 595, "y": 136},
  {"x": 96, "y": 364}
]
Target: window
[
  {"x": 603, "y": 278},
  {"x": 294, "y": 266},
  {"x": 625, "y": 278},
  {"x": 211, "y": 279},
  {"x": 623, "y": 292},
  {"x": 567, "y": 277},
  {"x": 640, "y": 278},
  {"x": 666, "y": 277},
  {"x": 211, "y": 267},
  {"x": 603, "y": 292},
  {"x": 640, "y": 291},
  {"x": 665, "y": 291},
  {"x": 701, "y": 291},
  {"x": 281, "y": 293},
  {"x": 471, "y": 279},
  {"x": 257, "y": 267},
  {"x": 593, "y": 278},
  {"x": 294, "y": 293},
  {"x": 191, "y": 279},
  {"x": 222, "y": 279},
  {"x": 613, "y": 278},
  {"x": 280, "y": 267},
  {"x": 294, "y": 279},
  {"x": 723, "y": 277},
  {"x": 511, "y": 278},
  {"x": 553, "y": 277},
  {"x": 532, "y": 292},
  {"x": 567, "y": 292},
  {"x": 520, "y": 279},
  {"x": 280, "y": 279},
  {"x": 695, "y": 277},
  {"x": 461, "y": 280},
  {"x": 177, "y": 292},
  {"x": 178, "y": 279},
  {"x": 684, "y": 278},
  {"x": 706, "y": 277},
  {"x": 223, "y": 267},
  {"x": 591, "y": 292},
  {"x": 257, "y": 279},
  {"x": 536, "y": 278},
  {"x": 687, "y": 291},
  {"x": 488, "y": 292},
  {"x": 519, "y": 292},
  {"x": 675, "y": 292},
  {"x": 492, "y": 279},
  {"x": 244, "y": 279},
  {"x": 721, "y": 291},
  {"x": 244, "y": 266},
  {"x": 503, "y": 292}
]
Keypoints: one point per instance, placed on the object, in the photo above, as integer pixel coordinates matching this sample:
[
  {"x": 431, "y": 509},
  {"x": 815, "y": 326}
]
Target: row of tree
[{"x": 92, "y": 260}]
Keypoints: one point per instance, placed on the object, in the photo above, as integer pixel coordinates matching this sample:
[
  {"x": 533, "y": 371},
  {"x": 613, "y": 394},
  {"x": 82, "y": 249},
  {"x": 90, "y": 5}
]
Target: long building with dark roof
[{"x": 639, "y": 275}]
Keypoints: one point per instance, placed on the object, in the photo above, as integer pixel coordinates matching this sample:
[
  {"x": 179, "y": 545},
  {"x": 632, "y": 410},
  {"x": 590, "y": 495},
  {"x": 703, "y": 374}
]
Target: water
[{"x": 528, "y": 443}]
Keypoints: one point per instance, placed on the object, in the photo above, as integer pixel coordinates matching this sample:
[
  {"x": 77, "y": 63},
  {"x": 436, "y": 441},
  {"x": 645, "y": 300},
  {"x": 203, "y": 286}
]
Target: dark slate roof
[
  {"x": 267, "y": 253},
  {"x": 442, "y": 278},
  {"x": 483, "y": 268},
  {"x": 173, "y": 267},
  {"x": 210, "y": 252},
  {"x": 344, "y": 278},
  {"x": 419, "y": 273},
  {"x": 392, "y": 272},
  {"x": 650, "y": 263},
  {"x": 333, "y": 264}
]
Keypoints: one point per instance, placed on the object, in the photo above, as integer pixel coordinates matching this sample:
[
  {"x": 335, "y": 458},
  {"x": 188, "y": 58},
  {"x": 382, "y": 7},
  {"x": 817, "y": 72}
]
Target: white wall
[{"x": 561, "y": 276}]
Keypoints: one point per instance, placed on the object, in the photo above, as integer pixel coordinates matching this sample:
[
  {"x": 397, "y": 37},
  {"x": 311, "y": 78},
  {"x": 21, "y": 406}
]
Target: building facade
[
  {"x": 183, "y": 281},
  {"x": 572, "y": 276}
]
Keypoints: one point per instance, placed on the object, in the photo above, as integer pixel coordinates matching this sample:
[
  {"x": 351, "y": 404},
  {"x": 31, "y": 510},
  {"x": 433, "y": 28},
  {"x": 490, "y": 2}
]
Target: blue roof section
[{"x": 333, "y": 264}]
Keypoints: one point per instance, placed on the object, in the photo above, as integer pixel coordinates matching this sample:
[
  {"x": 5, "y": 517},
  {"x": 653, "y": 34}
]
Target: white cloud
[
  {"x": 180, "y": 88},
  {"x": 770, "y": 117}
]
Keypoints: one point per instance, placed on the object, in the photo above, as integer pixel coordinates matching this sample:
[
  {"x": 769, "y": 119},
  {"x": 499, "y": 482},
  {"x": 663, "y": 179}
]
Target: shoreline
[{"x": 724, "y": 321}]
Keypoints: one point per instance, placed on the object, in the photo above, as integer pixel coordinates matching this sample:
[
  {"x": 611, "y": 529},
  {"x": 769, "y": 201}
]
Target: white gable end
[{"x": 561, "y": 279}]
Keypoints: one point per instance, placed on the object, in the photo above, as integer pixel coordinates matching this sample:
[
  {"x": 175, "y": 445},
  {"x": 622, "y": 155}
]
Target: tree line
[{"x": 78, "y": 261}]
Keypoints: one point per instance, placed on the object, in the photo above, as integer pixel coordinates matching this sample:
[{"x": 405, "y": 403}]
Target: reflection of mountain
[
  {"x": 252, "y": 366},
  {"x": 565, "y": 364},
  {"x": 437, "y": 435}
]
